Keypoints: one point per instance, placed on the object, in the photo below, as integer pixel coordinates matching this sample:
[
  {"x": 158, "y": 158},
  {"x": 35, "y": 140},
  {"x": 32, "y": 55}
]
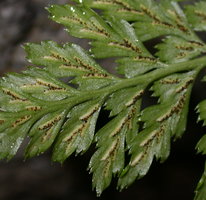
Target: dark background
[{"x": 38, "y": 179}]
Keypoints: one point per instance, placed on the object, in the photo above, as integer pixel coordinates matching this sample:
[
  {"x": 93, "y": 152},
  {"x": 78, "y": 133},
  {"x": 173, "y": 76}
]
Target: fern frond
[
  {"x": 200, "y": 190},
  {"x": 201, "y": 148},
  {"x": 196, "y": 16},
  {"x": 168, "y": 120},
  {"x": 151, "y": 19},
  {"x": 63, "y": 114},
  {"x": 182, "y": 50}
]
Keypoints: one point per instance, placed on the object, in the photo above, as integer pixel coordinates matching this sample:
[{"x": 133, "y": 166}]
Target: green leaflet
[
  {"x": 62, "y": 61},
  {"x": 123, "y": 99},
  {"x": 168, "y": 119},
  {"x": 150, "y": 142},
  {"x": 201, "y": 109},
  {"x": 57, "y": 105},
  {"x": 81, "y": 21},
  {"x": 200, "y": 190},
  {"x": 166, "y": 19},
  {"x": 78, "y": 131},
  {"x": 21, "y": 108},
  {"x": 201, "y": 148},
  {"x": 182, "y": 50},
  {"x": 150, "y": 19},
  {"x": 126, "y": 44},
  {"x": 201, "y": 145},
  {"x": 114, "y": 38},
  {"x": 127, "y": 10},
  {"x": 11, "y": 139},
  {"x": 137, "y": 65},
  {"x": 110, "y": 155},
  {"x": 120, "y": 39},
  {"x": 196, "y": 15},
  {"x": 67, "y": 61},
  {"x": 179, "y": 87},
  {"x": 44, "y": 132}
]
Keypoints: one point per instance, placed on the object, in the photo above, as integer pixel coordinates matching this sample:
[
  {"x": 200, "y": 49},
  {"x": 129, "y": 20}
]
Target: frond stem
[{"x": 144, "y": 80}]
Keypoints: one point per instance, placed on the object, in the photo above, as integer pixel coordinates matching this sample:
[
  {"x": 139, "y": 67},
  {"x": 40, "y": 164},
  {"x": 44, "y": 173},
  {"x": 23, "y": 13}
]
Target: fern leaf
[
  {"x": 200, "y": 190},
  {"x": 169, "y": 120},
  {"x": 78, "y": 131},
  {"x": 123, "y": 98},
  {"x": 109, "y": 158},
  {"x": 120, "y": 39},
  {"x": 182, "y": 50},
  {"x": 62, "y": 61},
  {"x": 25, "y": 99},
  {"x": 44, "y": 132},
  {"x": 151, "y": 19},
  {"x": 201, "y": 148},
  {"x": 69, "y": 60},
  {"x": 197, "y": 16},
  {"x": 116, "y": 37},
  {"x": 63, "y": 114},
  {"x": 80, "y": 21}
]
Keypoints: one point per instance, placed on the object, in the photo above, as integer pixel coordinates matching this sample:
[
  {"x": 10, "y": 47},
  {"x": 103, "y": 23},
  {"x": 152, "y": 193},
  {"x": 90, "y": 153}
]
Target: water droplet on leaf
[{"x": 72, "y": 9}]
